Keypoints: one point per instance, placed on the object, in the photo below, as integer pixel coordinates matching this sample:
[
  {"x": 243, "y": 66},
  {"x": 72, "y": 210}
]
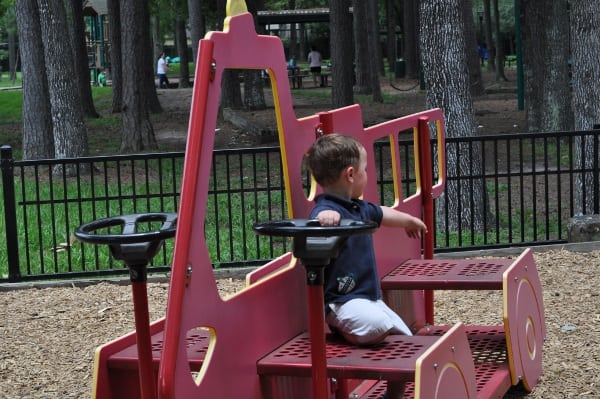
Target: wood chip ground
[{"x": 48, "y": 335}]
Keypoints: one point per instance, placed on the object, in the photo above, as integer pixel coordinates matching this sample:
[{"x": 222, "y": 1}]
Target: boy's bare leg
[{"x": 395, "y": 390}]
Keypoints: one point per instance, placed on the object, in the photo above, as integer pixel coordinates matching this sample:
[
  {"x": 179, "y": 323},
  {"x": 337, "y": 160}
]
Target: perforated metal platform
[
  {"x": 488, "y": 348},
  {"x": 393, "y": 359},
  {"x": 196, "y": 343},
  {"x": 444, "y": 274}
]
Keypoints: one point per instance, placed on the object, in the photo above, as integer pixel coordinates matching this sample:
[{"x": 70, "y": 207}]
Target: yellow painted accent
[
  {"x": 96, "y": 368},
  {"x": 235, "y": 7},
  {"x": 212, "y": 342}
]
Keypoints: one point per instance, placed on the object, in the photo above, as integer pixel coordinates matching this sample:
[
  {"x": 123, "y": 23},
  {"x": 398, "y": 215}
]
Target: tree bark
[
  {"x": 473, "y": 64},
  {"x": 137, "y": 133},
  {"x": 10, "y": 26},
  {"x": 293, "y": 50},
  {"x": 340, "y": 27},
  {"x": 411, "y": 39},
  {"x": 146, "y": 84},
  {"x": 181, "y": 37},
  {"x": 82, "y": 68},
  {"x": 375, "y": 57},
  {"x": 360, "y": 12},
  {"x": 499, "y": 48},
  {"x": 489, "y": 38},
  {"x": 585, "y": 30},
  {"x": 447, "y": 84},
  {"x": 390, "y": 42},
  {"x": 556, "y": 112},
  {"x": 197, "y": 24},
  {"x": 70, "y": 138},
  {"x": 38, "y": 141},
  {"x": 254, "y": 96},
  {"x": 231, "y": 93},
  {"x": 116, "y": 74},
  {"x": 545, "y": 63},
  {"x": 534, "y": 57}
]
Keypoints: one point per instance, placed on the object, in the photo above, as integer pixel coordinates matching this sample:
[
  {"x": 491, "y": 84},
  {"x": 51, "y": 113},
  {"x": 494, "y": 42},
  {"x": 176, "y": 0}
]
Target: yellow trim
[{"x": 395, "y": 166}]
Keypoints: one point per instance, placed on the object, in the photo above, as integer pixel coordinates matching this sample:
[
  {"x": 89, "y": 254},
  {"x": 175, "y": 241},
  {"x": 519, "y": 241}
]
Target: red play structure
[{"x": 261, "y": 342}]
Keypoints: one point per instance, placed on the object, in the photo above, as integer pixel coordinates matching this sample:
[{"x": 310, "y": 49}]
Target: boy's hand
[
  {"x": 329, "y": 218},
  {"x": 414, "y": 227}
]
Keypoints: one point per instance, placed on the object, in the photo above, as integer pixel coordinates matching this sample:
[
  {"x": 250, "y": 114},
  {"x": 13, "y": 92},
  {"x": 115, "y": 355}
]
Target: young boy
[{"x": 353, "y": 302}]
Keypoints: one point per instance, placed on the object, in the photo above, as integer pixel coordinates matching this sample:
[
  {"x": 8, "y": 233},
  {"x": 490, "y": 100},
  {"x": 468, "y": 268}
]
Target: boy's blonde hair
[{"x": 330, "y": 155}]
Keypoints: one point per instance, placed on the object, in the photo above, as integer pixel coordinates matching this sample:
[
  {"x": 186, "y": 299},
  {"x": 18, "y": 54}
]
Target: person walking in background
[
  {"x": 161, "y": 71},
  {"x": 314, "y": 61}
]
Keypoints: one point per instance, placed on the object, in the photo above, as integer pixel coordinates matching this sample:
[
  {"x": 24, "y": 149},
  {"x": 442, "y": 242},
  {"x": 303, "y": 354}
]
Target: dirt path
[{"x": 496, "y": 112}]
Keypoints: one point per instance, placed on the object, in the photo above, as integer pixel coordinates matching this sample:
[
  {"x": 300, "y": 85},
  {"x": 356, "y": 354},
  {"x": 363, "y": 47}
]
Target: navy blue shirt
[{"x": 353, "y": 274}]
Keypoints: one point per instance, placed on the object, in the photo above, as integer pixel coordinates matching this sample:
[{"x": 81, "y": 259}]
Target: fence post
[{"x": 10, "y": 212}]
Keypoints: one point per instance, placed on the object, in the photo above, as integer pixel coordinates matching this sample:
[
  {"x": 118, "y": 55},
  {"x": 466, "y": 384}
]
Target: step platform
[
  {"x": 121, "y": 364},
  {"x": 488, "y": 349},
  {"x": 447, "y": 274},
  {"x": 439, "y": 359}
]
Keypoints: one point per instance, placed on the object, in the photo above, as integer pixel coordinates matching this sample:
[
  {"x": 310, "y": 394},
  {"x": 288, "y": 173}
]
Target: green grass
[
  {"x": 11, "y": 106},
  {"x": 6, "y": 82}
]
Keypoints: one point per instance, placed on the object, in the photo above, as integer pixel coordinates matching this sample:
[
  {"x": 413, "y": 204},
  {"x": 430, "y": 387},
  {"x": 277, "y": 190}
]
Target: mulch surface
[{"x": 49, "y": 335}]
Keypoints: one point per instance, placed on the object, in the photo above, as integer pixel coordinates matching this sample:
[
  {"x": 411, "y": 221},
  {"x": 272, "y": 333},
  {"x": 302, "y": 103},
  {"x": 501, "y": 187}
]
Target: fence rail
[{"x": 527, "y": 186}]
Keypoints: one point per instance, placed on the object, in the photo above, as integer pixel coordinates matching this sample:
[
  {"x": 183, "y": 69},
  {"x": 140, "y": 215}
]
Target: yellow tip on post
[{"x": 236, "y": 7}]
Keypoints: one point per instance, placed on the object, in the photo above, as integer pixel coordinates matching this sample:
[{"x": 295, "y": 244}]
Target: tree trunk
[
  {"x": 411, "y": 39},
  {"x": 38, "y": 142},
  {"x": 375, "y": 58},
  {"x": 231, "y": 93},
  {"x": 390, "y": 42},
  {"x": 197, "y": 25},
  {"x": 181, "y": 36},
  {"x": 340, "y": 27},
  {"x": 146, "y": 83},
  {"x": 447, "y": 84},
  {"x": 556, "y": 112},
  {"x": 489, "y": 38},
  {"x": 10, "y": 26},
  {"x": 70, "y": 138},
  {"x": 473, "y": 64},
  {"x": 137, "y": 133},
  {"x": 545, "y": 62},
  {"x": 293, "y": 50},
  {"x": 534, "y": 57},
  {"x": 82, "y": 68},
  {"x": 361, "y": 46},
  {"x": 116, "y": 74},
  {"x": 499, "y": 48},
  {"x": 254, "y": 96},
  {"x": 585, "y": 30}
]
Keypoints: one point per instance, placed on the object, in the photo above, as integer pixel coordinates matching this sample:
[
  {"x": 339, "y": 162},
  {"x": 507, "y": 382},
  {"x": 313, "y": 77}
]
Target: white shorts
[{"x": 363, "y": 322}]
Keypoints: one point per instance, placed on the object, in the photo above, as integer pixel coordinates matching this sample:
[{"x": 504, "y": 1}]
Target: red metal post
[
  {"x": 317, "y": 341},
  {"x": 143, "y": 340},
  {"x": 426, "y": 180}
]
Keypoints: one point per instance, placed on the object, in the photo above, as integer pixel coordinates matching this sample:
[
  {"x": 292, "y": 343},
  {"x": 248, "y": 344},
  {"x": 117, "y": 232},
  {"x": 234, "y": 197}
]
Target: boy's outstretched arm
[{"x": 413, "y": 226}]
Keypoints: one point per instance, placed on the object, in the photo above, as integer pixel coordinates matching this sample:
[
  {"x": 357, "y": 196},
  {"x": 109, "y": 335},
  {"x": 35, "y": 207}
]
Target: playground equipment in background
[{"x": 256, "y": 344}]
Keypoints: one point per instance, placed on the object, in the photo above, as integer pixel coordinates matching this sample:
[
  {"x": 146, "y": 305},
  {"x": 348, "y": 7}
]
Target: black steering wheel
[
  {"x": 135, "y": 248},
  {"x": 313, "y": 244},
  {"x": 129, "y": 234},
  {"x": 312, "y": 228}
]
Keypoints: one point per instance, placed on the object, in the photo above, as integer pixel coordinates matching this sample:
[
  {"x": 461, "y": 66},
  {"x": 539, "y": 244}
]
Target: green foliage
[{"x": 506, "y": 9}]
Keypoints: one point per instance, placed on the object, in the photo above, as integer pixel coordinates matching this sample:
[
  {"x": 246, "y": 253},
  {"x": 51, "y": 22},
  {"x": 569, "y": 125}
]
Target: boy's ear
[{"x": 349, "y": 174}]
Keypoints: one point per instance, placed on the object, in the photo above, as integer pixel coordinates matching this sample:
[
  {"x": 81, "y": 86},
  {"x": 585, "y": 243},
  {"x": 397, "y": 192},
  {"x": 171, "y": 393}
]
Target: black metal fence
[{"x": 533, "y": 183}]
